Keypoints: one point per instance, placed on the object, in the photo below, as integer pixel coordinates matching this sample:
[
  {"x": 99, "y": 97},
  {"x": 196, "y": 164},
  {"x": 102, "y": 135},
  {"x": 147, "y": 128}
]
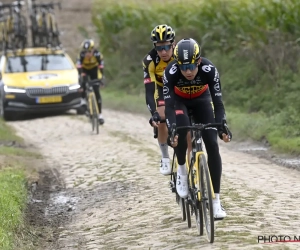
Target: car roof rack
[
  {"x": 14, "y": 51},
  {"x": 9, "y": 46}
]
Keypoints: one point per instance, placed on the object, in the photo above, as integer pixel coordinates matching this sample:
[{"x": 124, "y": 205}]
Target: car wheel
[
  {"x": 81, "y": 110},
  {"x": 3, "y": 113}
]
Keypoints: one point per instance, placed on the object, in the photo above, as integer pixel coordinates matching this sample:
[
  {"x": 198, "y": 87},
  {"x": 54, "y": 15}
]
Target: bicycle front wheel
[
  {"x": 188, "y": 214},
  {"x": 182, "y": 207},
  {"x": 206, "y": 198},
  {"x": 198, "y": 204},
  {"x": 181, "y": 201}
]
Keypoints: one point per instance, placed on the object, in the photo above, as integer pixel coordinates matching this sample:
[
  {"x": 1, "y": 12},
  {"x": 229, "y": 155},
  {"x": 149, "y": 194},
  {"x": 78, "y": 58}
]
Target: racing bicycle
[
  {"x": 92, "y": 105},
  {"x": 13, "y": 26},
  {"x": 200, "y": 190}
]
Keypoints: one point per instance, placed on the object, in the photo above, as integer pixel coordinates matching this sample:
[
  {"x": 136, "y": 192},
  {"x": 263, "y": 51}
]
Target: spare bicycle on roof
[{"x": 14, "y": 27}]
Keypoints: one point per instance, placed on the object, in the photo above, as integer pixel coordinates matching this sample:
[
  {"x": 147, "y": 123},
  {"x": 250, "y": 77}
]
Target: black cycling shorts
[
  {"x": 159, "y": 96},
  {"x": 202, "y": 110}
]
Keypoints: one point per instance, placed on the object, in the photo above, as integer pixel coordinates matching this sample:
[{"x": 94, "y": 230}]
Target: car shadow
[{"x": 26, "y": 117}]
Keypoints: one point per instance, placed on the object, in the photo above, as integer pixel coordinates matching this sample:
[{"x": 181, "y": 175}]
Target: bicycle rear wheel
[
  {"x": 206, "y": 197},
  {"x": 90, "y": 110},
  {"x": 199, "y": 218},
  {"x": 95, "y": 114}
]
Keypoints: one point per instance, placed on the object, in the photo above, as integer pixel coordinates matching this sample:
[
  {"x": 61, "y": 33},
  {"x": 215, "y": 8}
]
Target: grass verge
[
  {"x": 255, "y": 126},
  {"x": 7, "y": 134},
  {"x": 13, "y": 190},
  {"x": 12, "y": 204},
  {"x": 124, "y": 102}
]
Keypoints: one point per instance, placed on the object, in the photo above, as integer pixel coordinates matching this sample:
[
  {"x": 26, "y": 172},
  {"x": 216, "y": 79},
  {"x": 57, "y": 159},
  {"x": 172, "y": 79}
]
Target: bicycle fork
[
  {"x": 199, "y": 174},
  {"x": 172, "y": 182}
]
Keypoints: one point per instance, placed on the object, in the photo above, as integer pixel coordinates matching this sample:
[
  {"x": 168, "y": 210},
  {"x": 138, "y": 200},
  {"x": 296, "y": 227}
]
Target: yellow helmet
[
  {"x": 87, "y": 45},
  {"x": 162, "y": 33},
  {"x": 187, "y": 51}
]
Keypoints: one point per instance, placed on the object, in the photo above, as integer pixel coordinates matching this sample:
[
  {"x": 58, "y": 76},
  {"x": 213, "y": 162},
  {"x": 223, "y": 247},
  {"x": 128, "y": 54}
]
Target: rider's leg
[
  {"x": 165, "y": 166},
  {"x": 99, "y": 99},
  {"x": 163, "y": 133},
  {"x": 182, "y": 174},
  {"x": 95, "y": 75},
  {"x": 83, "y": 80},
  {"x": 204, "y": 114},
  {"x": 189, "y": 143}
]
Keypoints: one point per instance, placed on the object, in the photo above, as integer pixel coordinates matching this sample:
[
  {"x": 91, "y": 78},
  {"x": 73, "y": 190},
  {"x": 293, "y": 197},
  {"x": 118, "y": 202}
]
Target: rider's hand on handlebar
[
  {"x": 155, "y": 119},
  {"x": 173, "y": 137},
  {"x": 174, "y": 143},
  {"x": 226, "y": 138},
  {"x": 224, "y": 132}
]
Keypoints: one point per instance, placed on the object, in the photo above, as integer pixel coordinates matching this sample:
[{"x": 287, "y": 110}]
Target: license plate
[{"x": 49, "y": 99}]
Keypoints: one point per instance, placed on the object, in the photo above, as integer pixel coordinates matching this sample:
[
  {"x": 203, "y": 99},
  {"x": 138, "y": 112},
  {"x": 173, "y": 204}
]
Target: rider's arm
[
  {"x": 169, "y": 81},
  {"x": 149, "y": 82},
  {"x": 99, "y": 58},
  {"x": 215, "y": 89},
  {"x": 79, "y": 62}
]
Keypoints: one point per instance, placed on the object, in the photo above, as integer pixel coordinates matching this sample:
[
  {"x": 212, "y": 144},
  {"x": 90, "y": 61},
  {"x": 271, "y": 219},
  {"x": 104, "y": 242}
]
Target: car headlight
[
  {"x": 9, "y": 89},
  {"x": 74, "y": 86}
]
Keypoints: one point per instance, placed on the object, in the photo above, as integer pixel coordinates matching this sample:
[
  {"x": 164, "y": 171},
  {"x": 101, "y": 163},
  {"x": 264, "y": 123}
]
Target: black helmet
[
  {"x": 87, "y": 45},
  {"x": 187, "y": 51},
  {"x": 162, "y": 33}
]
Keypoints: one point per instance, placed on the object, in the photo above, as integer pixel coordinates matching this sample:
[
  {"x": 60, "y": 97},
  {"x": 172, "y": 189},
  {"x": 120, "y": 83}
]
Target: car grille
[{"x": 39, "y": 91}]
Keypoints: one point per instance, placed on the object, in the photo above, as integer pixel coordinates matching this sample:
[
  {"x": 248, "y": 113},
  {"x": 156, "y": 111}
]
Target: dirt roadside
[{"x": 113, "y": 196}]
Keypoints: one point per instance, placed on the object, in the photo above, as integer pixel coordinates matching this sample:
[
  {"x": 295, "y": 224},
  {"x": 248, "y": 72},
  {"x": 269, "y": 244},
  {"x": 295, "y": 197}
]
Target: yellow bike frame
[
  {"x": 90, "y": 95},
  {"x": 197, "y": 175}
]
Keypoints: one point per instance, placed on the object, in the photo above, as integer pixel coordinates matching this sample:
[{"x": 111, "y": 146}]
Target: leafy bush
[{"x": 253, "y": 43}]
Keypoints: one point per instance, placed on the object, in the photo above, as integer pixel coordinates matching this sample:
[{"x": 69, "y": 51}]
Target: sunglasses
[
  {"x": 163, "y": 47},
  {"x": 185, "y": 67}
]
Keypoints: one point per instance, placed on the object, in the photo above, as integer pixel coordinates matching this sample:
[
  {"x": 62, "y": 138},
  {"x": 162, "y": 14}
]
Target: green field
[{"x": 254, "y": 45}]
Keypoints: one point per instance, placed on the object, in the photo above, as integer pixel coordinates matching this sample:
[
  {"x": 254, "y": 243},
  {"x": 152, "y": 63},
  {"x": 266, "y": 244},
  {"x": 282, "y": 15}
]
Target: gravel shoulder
[{"x": 112, "y": 196}]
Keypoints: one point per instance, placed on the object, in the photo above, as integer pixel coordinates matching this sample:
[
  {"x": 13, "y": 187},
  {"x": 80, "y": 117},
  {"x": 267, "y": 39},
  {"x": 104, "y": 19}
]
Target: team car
[{"x": 37, "y": 80}]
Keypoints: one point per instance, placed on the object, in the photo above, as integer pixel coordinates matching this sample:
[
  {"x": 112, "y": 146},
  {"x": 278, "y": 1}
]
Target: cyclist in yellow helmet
[
  {"x": 154, "y": 63},
  {"x": 90, "y": 62},
  {"x": 192, "y": 83}
]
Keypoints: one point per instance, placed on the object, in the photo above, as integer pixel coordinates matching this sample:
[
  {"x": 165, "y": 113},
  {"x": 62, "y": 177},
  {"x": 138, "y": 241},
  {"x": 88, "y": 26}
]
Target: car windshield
[{"x": 33, "y": 63}]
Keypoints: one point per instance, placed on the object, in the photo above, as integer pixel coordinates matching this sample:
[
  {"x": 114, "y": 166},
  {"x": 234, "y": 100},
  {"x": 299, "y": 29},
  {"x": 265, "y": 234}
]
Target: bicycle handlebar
[
  {"x": 95, "y": 82},
  {"x": 199, "y": 127},
  {"x": 155, "y": 130}
]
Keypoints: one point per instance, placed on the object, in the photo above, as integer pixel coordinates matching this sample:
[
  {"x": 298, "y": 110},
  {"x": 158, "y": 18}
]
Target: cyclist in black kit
[{"x": 192, "y": 82}]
